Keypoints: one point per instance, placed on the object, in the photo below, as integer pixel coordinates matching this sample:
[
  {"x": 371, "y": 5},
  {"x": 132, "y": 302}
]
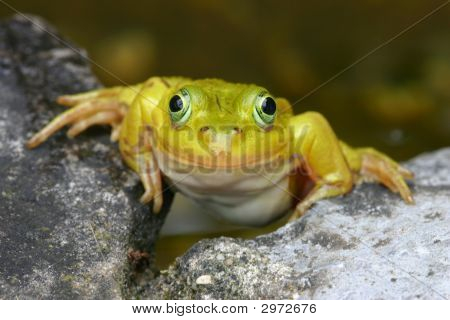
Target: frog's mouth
[{"x": 223, "y": 160}]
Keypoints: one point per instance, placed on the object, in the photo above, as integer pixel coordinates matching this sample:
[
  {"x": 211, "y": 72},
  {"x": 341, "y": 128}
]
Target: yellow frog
[{"x": 234, "y": 148}]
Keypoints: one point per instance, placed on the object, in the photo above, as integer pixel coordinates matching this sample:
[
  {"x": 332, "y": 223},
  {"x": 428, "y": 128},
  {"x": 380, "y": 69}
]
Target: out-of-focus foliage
[{"x": 398, "y": 99}]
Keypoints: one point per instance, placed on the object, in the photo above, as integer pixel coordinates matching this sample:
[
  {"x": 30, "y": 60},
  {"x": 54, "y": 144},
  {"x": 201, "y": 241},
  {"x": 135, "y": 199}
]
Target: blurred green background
[{"x": 398, "y": 99}]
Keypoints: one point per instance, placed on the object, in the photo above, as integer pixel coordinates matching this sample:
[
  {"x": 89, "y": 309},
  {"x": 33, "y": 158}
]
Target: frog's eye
[
  {"x": 180, "y": 108},
  {"x": 265, "y": 110}
]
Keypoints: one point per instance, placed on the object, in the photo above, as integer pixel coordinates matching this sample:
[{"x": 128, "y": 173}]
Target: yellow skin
[{"x": 229, "y": 146}]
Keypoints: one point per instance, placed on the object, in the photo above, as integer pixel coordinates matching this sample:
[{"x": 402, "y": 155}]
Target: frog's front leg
[
  {"x": 334, "y": 167},
  {"x": 313, "y": 140},
  {"x": 136, "y": 141},
  {"x": 141, "y": 159},
  {"x": 114, "y": 107},
  {"x": 129, "y": 110}
]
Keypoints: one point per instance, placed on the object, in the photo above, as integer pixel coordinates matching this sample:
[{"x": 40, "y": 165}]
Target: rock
[
  {"x": 70, "y": 219},
  {"x": 366, "y": 245}
]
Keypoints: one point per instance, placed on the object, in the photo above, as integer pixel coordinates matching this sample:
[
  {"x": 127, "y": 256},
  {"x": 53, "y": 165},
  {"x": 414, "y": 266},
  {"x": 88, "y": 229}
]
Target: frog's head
[{"x": 215, "y": 124}]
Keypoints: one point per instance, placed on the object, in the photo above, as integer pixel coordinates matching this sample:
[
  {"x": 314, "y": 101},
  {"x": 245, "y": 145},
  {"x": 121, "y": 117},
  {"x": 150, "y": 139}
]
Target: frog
[{"x": 233, "y": 148}]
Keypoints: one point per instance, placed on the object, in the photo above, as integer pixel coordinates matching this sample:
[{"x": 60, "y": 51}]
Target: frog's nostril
[
  {"x": 236, "y": 130},
  {"x": 226, "y": 130}
]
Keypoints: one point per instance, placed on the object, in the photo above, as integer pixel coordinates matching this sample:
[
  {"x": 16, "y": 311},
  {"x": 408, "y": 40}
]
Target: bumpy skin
[{"x": 220, "y": 138}]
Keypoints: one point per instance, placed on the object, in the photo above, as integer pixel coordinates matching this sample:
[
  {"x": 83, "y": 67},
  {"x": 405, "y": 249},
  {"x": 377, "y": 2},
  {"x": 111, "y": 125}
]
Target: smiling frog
[{"x": 234, "y": 148}]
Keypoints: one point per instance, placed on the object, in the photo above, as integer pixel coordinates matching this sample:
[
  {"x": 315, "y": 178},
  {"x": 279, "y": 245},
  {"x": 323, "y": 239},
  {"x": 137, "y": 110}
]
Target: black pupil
[
  {"x": 268, "y": 106},
  {"x": 176, "y": 103}
]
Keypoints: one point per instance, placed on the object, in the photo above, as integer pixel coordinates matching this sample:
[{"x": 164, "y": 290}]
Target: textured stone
[
  {"x": 366, "y": 245},
  {"x": 69, "y": 210}
]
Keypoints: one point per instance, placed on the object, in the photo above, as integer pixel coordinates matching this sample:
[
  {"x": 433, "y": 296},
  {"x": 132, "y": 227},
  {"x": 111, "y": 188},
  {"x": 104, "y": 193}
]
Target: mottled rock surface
[
  {"x": 69, "y": 210},
  {"x": 366, "y": 245}
]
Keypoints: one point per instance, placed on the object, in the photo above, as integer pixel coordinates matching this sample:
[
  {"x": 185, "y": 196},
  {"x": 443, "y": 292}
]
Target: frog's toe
[
  {"x": 407, "y": 174},
  {"x": 68, "y": 100},
  {"x": 101, "y": 118},
  {"x": 151, "y": 180},
  {"x": 389, "y": 173},
  {"x": 75, "y": 99},
  {"x": 395, "y": 182},
  {"x": 157, "y": 203},
  {"x": 147, "y": 196},
  {"x": 36, "y": 140},
  {"x": 115, "y": 132},
  {"x": 157, "y": 198},
  {"x": 406, "y": 194},
  {"x": 158, "y": 195},
  {"x": 299, "y": 211}
]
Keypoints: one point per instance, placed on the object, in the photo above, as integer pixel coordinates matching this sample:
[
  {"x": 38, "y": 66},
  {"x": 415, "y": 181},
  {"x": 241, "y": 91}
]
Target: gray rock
[
  {"x": 69, "y": 210},
  {"x": 366, "y": 245}
]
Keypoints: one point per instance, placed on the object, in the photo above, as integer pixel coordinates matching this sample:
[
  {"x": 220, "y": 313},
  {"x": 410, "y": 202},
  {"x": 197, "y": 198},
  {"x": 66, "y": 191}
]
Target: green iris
[
  {"x": 180, "y": 108},
  {"x": 265, "y": 110}
]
